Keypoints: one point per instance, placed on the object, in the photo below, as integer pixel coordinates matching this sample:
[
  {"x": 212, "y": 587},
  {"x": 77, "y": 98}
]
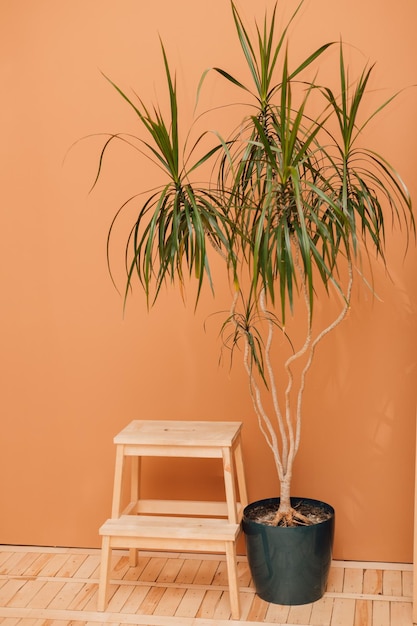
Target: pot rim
[{"x": 320, "y": 503}]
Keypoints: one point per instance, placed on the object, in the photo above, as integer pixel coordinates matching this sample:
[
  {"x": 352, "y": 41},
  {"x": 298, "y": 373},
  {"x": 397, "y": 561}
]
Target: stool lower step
[
  {"x": 160, "y": 527},
  {"x": 156, "y": 532}
]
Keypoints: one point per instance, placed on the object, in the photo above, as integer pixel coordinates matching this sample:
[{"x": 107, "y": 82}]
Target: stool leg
[
  {"x": 133, "y": 557},
  {"x": 233, "y": 581},
  {"x": 103, "y": 585},
  {"x": 229, "y": 483},
  {"x": 135, "y": 480},
  {"x": 135, "y": 466},
  {"x": 240, "y": 473},
  {"x": 117, "y": 485}
]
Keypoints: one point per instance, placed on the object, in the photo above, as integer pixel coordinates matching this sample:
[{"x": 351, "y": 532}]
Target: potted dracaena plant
[{"x": 294, "y": 202}]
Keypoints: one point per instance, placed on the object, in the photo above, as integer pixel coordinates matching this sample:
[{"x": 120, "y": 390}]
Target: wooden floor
[{"x": 58, "y": 587}]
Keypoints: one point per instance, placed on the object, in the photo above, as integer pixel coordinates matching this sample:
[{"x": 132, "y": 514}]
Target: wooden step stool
[{"x": 173, "y": 524}]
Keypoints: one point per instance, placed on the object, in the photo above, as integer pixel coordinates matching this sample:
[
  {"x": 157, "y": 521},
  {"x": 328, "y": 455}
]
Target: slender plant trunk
[
  {"x": 285, "y": 495},
  {"x": 282, "y": 432}
]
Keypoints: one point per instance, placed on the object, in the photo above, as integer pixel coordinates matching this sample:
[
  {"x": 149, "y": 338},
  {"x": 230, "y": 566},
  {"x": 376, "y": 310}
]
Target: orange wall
[{"x": 74, "y": 372}]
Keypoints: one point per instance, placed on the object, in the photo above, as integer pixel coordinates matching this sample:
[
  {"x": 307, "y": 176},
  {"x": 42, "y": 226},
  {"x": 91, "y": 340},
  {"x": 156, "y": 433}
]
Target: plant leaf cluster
[{"x": 294, "y": 194}]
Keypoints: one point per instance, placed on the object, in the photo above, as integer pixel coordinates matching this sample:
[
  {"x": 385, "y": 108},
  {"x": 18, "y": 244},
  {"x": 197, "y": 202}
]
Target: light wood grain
[
  {"x": 168, "y": 524},
  {"x": 47, "y": 587}
]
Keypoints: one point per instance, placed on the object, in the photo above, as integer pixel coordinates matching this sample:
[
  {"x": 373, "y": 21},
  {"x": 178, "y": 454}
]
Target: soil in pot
[{"x": 264, "y": 511}]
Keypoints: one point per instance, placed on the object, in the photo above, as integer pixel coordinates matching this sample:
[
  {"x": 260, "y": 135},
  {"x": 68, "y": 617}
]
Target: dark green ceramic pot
[{"x": 289, "y": 565}]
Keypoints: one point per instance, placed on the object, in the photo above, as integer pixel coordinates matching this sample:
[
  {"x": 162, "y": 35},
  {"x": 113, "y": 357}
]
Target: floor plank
[
  {"x": 258, "y": 609},
  {"x": 65, "y": 595},
  {"x": 210, "y": 601},
  {"x": 170, "y": 601},
  {"x": 190, "y": 603},
  {"x": 135, "y": 599},
  {"x": 343, "y": 612},
  {"x": 26, "y": 593},
  {"x": 381, "y": 614},
  {"x": 300, "y": 614},
  {"x": 58, "y": 587},
  {"x": 151, "y": 600},
  {"x": 321, "y": 613},
  {"x": 363, "y": 613},
  {"x": 50, "y": 589},
  {"x": 407, "y": 583},
  {"x": 134, "y": 573},
  {"x": 71, "y": 565},
  {"x": 170, "y": 570},
  {"x": 391, "y": 583},
  {"x": 372, "y": 581},
  {"x": 119, "y": 598},
  {"x": 188, "y": 571},
  {"x": 9, "y": 590},
  {"x": 353, "y": 581},
  {"x": 205, "y": 573},
  {"x": 222, "y": 610},
  {"x": 335, "y": 580}
]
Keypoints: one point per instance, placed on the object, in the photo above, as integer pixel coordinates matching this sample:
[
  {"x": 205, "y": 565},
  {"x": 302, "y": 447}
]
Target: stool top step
[{"x": 179, "y": 433}]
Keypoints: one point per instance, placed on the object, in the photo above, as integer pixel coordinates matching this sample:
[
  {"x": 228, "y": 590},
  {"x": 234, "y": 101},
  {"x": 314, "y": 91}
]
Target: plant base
[{"x": 289, "y": 565}]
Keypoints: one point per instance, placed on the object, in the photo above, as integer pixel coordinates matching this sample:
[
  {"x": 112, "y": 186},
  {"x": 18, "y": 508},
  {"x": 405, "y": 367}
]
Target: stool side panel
[{"x": 172, "y": 450}]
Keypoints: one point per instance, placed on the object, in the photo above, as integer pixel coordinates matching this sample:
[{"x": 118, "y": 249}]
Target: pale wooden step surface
[
  {"x": 58, "y": 587},
  {"x": 177, "y": 528}
]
